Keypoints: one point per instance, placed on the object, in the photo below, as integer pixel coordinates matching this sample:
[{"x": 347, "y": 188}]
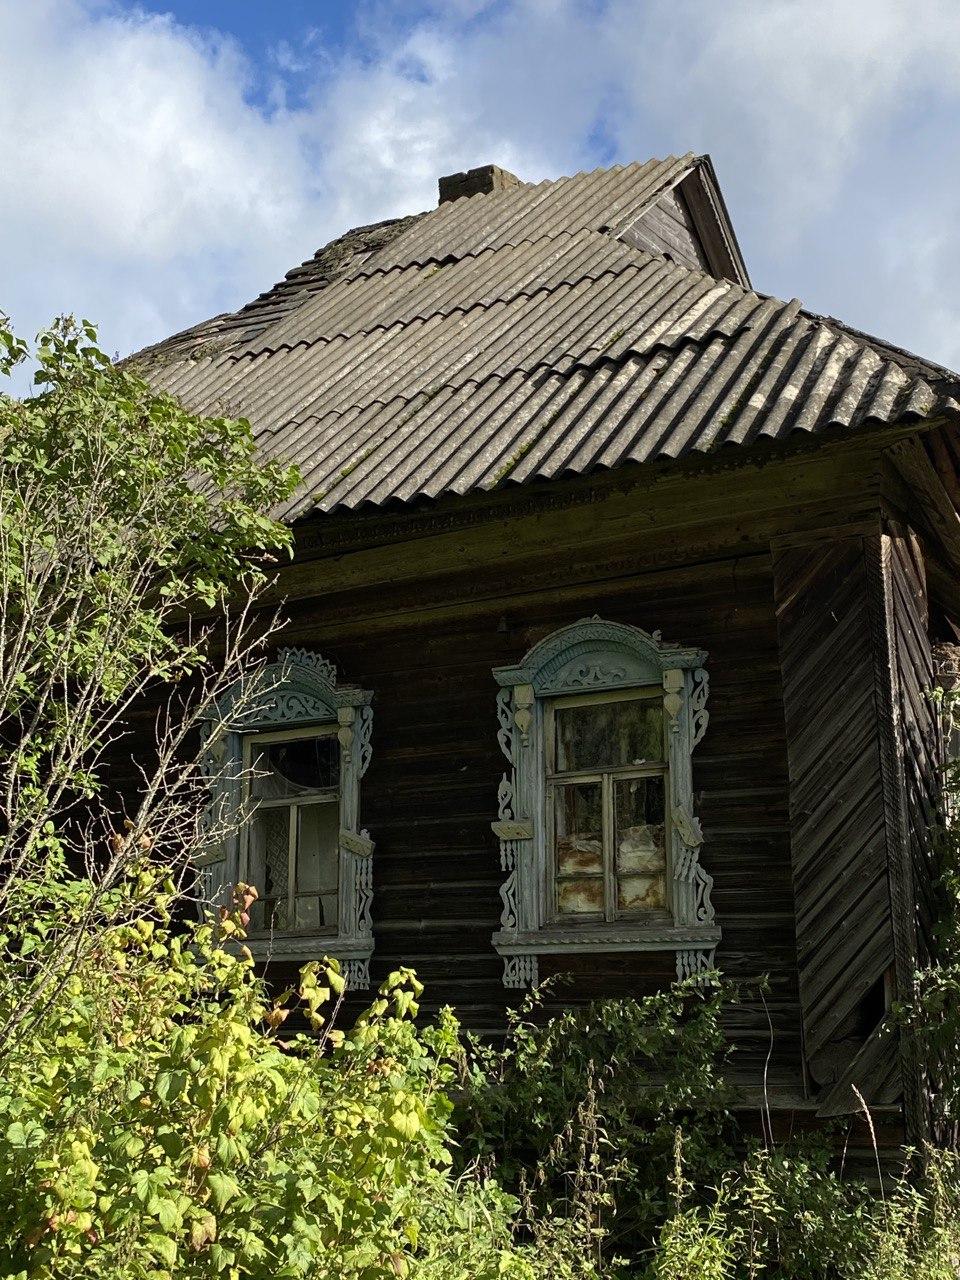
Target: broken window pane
[
  {"x": 295, "y": 767},
  {"x": 269, "y": 860},
  {"x": 286, "y": 774}
]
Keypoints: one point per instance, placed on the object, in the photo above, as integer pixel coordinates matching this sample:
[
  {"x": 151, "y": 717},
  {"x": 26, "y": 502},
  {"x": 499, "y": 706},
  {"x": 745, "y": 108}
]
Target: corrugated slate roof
[{"x": 512, "y": 336}]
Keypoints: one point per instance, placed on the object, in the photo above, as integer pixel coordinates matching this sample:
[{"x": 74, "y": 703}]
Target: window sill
[
  {"x": 300, "y": 948},
  {"x": 608, "y": 937},
  {"x": 693, "y": 945}
]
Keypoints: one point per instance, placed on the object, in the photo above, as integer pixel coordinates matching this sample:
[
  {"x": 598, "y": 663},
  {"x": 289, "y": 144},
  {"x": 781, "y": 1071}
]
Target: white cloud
[
  {"x": 139, "y": 180},
  {"x": 147, "y": 184}
]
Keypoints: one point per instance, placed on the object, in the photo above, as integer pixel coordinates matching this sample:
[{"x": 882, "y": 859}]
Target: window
[
  {"x": 606, "y": 801},
  {"x": 285, "y": 767},
  {"x": 293, "y": 834},
  {"x": 596, "y": 823}
]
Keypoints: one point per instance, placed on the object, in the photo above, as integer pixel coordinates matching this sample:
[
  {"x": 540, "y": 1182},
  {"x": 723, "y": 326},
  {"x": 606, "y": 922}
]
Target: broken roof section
[{"x": 528, "y": 332}]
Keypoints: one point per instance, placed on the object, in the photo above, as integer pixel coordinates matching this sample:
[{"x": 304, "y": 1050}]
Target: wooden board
[{"x": 826, "y": 621}]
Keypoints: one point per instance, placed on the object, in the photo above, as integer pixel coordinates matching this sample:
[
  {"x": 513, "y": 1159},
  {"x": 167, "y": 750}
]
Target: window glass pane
[
  {"x": 578, "y": 810},
  {"x": 606, "y": 734},
  {"x": 318, "y": 863},
  {"x": 295, "y": 767},
  {"x": 639, "y": 806},
  {"x": 269, "y": 847},
  {"x": 580, "y": 897}
]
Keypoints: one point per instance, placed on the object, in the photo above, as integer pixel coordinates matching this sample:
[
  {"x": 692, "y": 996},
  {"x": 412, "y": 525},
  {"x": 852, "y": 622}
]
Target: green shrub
[
  {"x": 153, "y": 1123},
  {"x": 161, "y": 1128},
  {"x": 585, "y": 1106},
  {"x": 778, "y": 1216},
  {"x": 612, "y": 1120}
]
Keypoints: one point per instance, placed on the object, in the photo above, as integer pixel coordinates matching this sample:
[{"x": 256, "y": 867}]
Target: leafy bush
[
  {"x": 119, "y": 512},
  {"x": 613, "y": 1118},
  {"x": 782, "y": 1216},
  {"x": 587, "y": 1104},
  {"x": 163, "y": 1129},
  {"x": 153, "y": 1122}
]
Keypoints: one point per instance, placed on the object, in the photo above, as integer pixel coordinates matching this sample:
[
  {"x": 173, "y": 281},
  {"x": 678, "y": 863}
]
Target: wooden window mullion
[
  {"x": 293, "y": 838},
  {"x": 609, "y": 870}
]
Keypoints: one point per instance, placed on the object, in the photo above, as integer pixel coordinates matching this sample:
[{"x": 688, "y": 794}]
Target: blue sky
[{"x": 167, "y": 161}]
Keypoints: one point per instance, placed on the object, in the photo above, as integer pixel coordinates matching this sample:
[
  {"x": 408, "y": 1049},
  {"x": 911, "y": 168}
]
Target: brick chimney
[{"x": 476, "y": 182}]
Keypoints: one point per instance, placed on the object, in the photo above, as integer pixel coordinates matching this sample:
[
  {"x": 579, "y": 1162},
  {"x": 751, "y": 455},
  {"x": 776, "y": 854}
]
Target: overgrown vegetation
[
  {"x": 615, "y": 1117},
  {"x": 580, "y": 1112},
  {"x": 153, "y": 1122},
  {"x": 156, "y": 1118},
  {"x": 933, "y": 1011}
]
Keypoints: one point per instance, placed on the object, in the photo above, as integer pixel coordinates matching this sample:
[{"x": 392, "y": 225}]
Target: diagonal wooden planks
[{"x": 840, "y": 829}]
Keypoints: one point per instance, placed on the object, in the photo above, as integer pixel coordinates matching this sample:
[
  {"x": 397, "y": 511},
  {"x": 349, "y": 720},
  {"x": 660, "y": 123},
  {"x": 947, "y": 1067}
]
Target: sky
[{"x": 163, "y": 162}]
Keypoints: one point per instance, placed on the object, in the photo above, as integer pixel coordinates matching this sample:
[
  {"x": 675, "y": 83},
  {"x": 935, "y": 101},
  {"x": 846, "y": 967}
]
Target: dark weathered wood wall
[
  {"x": 422, "y": 620},
  {"x": 773, "y": 570},
  {"x": 430, "y": 794},
  {"x": 920, "y": 752},
  {"x": 918, "y": 726},
  {"x": 837, "y": 804}
]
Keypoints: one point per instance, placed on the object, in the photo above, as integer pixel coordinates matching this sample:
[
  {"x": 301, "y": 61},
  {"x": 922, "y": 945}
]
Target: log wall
[
  {"x": 421, "y": 614},
  {"x": 815, "y": 627},
  {"x": 430, "y": 794}
]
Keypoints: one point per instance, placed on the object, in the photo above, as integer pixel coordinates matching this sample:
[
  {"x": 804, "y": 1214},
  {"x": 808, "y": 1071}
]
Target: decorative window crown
[{"x": 598, "y": 906}]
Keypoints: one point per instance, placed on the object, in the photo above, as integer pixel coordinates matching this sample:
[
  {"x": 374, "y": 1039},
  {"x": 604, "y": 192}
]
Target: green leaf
[
  {"x": 163, "y": 1247},
  {"x": 16, "y": 1134},
  {"x": 168, "y": 1215},
  {"x": 223, "y": 1188}
]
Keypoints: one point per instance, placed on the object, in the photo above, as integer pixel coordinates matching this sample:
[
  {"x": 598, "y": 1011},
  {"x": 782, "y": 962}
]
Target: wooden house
[{"x": 613, "y": 620}]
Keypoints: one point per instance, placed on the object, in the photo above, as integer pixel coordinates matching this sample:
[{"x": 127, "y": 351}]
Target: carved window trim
[
  {"x": 298, "y": 691},
  {"x": 597, "y": 656}
]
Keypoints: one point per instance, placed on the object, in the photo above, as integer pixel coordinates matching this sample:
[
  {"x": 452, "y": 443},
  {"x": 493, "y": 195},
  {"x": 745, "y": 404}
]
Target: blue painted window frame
[
  {"x": 596, "y": 656},
  {"x": 298, "y": 691}
]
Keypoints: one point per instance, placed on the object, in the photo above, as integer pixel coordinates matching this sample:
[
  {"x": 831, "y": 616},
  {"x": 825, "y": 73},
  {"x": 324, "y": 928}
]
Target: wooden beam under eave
[{"x": 919, "y": 483}]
